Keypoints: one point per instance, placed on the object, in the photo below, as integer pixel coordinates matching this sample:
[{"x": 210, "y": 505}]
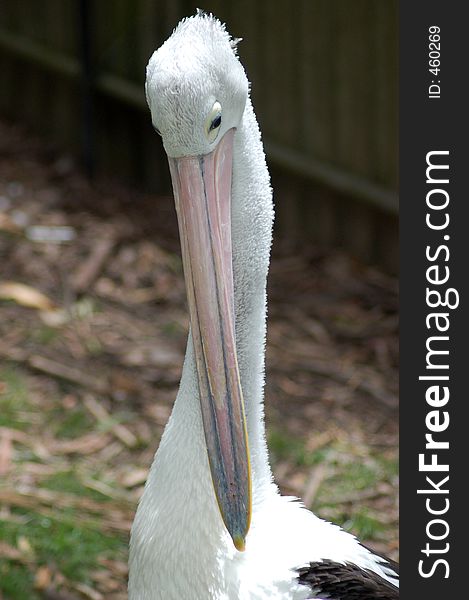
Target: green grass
[
  {"x": 70, "y": 543},
  {"x": 351, "y": 473},
  {"x": 66, "y": 545},
  {"x": 13, "y": 399},
  {"x": 16, "y": 581},
  {"x": 15, "y": 406},
  {"x": 45, "y": 335},
  {"x": 283, "y": 446},
  {"x": 173, "y": 329},
  {"x": 71, "y": 423},
  {"x": 354, "y": 475},
  {"x": 390, "y": 466},
  {"x": 68, "y": 482},
  {"x": 363, "y": 525}
]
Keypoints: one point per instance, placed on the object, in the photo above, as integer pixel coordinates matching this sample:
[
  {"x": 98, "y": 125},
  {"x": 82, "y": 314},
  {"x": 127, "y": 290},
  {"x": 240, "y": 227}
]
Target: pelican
[{"x": 211, "y": 523}]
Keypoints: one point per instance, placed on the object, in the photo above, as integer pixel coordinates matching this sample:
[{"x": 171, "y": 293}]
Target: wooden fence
[{"x": 324, "y": 85}]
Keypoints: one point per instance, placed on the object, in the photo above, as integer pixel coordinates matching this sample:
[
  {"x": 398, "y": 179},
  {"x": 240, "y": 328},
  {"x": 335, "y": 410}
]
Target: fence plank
[{"x": 324, "y": 77}]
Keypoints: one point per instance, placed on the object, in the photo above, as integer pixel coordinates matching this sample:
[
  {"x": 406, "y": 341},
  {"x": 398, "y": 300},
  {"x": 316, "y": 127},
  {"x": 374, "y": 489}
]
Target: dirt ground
[{"x": 93, "y": 326}]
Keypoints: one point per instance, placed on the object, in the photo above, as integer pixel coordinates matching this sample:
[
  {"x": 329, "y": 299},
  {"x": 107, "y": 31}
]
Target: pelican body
[{"x": 211, "y": 523}]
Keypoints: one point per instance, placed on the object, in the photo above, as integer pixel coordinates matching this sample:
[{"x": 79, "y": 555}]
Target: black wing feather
[
  {"x": 339, "y": 581},
  {"x": 384, "y": 560}
]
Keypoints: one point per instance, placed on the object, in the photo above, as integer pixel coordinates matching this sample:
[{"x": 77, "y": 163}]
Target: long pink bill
[{"x": 202, "y": 191}]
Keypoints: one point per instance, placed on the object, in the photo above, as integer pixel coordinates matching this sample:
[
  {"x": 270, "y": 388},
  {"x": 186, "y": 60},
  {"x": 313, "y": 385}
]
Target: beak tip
[{"x": 240, "y": 543}]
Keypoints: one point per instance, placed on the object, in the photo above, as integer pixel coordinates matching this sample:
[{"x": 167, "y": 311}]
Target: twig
[
  {"x": 355, "y": 497},
  {"x": 343, "y": 376},
  {"x": 104, "y": 418},
  {"x": 52, "y": 594},
  {"x": 102, "y": 488},
  {"x": 320, "y": 440},
  {"x": 52, "y": 367},
  {"x": 41, "y": 501},
  {"x": 89, "y": 443},
  {"x": 89, "y": 271},
  {"x": 317, "y": 476},
  {"x": 20, "y": 437},
  {"x": 11, "y": 553},
  {"x": 88, "y": 591},
  {"x": 56, "y": 369},
  {"x": 116, "y": 567},
  {"x": 5, "y": 451}
]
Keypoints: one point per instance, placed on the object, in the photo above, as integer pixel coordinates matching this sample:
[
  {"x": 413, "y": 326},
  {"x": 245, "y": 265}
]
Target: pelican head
[
  {"x": 196, "y": 87},
  {"x": 197, "y": 90}
]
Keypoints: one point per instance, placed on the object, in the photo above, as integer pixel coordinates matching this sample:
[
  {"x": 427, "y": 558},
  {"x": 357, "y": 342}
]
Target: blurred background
[{"x": 93, "y": 319}]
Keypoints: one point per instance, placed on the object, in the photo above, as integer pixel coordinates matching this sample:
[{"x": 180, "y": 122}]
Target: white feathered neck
[{"x": 178, "y": 530}]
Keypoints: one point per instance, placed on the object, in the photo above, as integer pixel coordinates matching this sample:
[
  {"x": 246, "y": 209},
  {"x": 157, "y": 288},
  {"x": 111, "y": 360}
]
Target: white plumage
[{"x": 180, "y": 548}]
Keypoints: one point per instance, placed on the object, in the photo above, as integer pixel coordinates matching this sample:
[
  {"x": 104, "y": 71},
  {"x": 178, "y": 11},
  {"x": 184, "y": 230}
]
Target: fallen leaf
[
  {"x": 135, "y": 477},
  {"x": 55, "y": 318},
  {"x": 88, "y": 592},
  {"x": 25, "y": 295},
  {"x": 7, "y": 224},
  {"x": 10, "y": 553},
  {"x": 86, "y": 444},
  {"x": 24, "y": 546},
  {"x": 42, "y": 578},
  {"x": 6, "y": 451}
]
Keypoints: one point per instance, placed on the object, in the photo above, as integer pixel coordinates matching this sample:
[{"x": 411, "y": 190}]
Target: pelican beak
[{"x": 202, "y": 191}]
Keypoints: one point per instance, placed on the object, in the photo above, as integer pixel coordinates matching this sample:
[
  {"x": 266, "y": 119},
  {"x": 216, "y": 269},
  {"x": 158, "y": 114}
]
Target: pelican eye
[
  {"x": 216, "y": 122},
  {"x": 213, "y": 122}
]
